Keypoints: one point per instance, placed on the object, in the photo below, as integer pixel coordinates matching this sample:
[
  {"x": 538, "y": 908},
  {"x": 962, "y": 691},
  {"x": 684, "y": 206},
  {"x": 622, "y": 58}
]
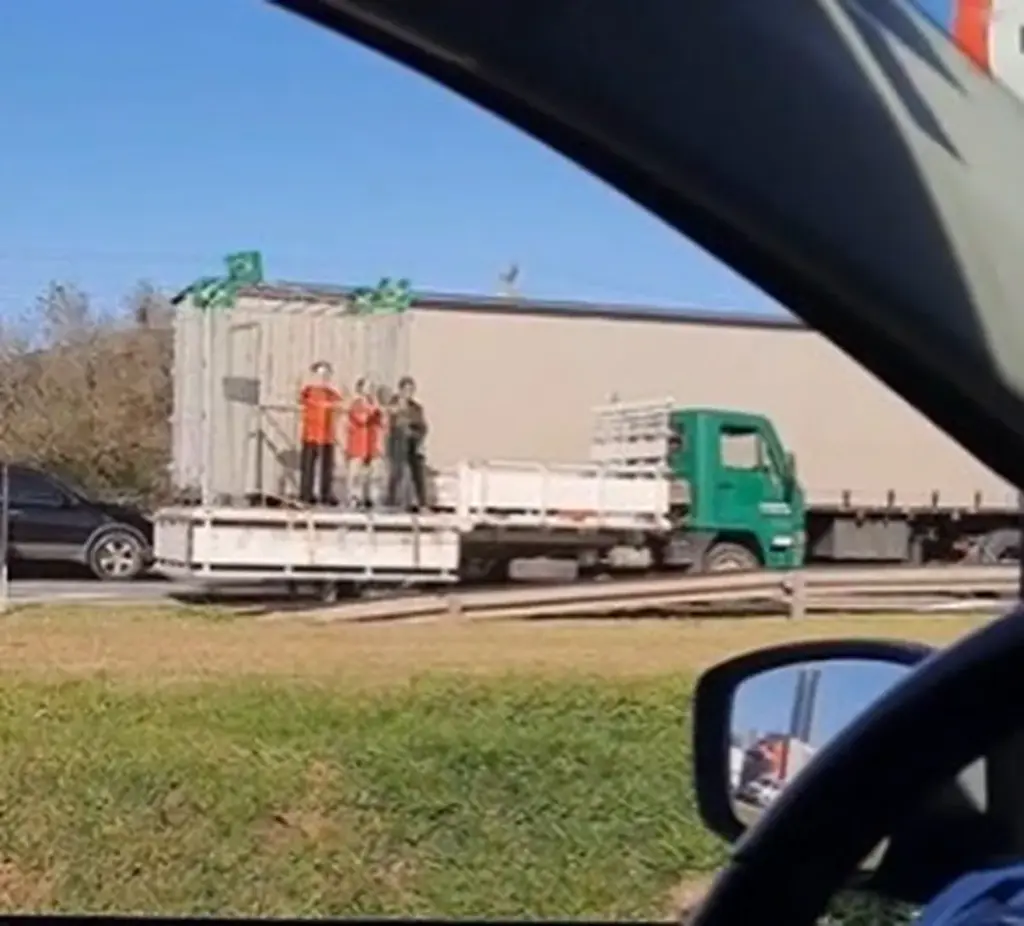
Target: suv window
[{"x": 30, "y": 490}]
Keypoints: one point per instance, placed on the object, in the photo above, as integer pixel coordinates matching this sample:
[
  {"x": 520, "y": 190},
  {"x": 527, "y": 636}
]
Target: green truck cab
[{"x": 741, "y": 505}]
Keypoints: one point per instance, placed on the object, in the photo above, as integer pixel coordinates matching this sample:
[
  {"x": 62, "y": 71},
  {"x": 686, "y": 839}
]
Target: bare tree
[{"x": 88, "y": 394}]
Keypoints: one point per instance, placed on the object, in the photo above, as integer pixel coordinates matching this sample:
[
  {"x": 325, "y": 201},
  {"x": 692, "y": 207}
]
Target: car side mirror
[
  {"x": 791, "y": 467},
  {"x": 761, "y": 718}
]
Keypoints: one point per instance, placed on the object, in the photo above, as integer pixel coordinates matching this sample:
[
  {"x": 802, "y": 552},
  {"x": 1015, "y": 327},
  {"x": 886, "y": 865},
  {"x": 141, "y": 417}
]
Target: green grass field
[
  {"x": 442, "y": 797},
  {"x": 164, "y": 764}
]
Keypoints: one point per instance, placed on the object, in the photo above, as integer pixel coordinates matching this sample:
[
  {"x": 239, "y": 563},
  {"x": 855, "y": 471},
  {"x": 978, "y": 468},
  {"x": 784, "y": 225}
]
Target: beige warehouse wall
[{"x": 520, "y": 385}]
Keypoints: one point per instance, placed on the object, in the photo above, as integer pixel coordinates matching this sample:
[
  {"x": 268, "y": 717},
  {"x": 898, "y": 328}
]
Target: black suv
[{"x": 50, "y": 521}]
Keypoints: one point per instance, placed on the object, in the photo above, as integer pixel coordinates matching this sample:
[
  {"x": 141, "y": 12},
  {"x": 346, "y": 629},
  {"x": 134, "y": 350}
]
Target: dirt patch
[
  {"x": 308, "y": 821},
  {"x": 23, "y": 890},
  {"x": 310, "y": 825},
  {"x": 688, "y": 895},
  {"x": 161, "y": 646}
]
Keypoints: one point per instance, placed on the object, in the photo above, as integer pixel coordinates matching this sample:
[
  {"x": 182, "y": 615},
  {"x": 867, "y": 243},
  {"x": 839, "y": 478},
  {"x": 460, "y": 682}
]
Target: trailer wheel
[
  {"x": 730, "y": 557},
  {"x": 485, "y": 571}
]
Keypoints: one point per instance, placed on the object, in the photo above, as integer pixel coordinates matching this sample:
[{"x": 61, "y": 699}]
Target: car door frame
[
  {"x": 898, "y": 117},
  {"x": 31, "y": 521}
]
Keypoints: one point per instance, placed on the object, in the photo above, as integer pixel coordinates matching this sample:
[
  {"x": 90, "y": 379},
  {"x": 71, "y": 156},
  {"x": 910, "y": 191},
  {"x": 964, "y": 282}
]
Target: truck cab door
[
  {"x": 679, "y": 493},
  {"x": 751, "y": 494}
]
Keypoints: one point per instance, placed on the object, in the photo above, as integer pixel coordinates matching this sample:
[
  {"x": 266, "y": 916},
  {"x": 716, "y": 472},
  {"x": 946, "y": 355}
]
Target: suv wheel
[{"x": 117, "y": 557}]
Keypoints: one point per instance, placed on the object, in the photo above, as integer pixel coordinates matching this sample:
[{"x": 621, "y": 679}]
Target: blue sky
[
  {"x": 146, "y": 138},
  {"x": 847, "y": 687}
]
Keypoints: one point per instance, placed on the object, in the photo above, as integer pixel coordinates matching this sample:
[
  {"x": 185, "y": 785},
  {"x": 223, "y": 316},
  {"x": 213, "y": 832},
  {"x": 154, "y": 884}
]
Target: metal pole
[
  {"x": 5, "y": 525},
  {"x": 1020, "y": 546},
  {"x": 206, "y": 479},
  {"x": 810, "y": 707},
  {"x": 799, "y": 697}
]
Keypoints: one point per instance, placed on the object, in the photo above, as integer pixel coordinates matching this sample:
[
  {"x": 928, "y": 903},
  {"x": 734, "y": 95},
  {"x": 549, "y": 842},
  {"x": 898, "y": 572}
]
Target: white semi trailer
[{"x": 513, "y": 380}]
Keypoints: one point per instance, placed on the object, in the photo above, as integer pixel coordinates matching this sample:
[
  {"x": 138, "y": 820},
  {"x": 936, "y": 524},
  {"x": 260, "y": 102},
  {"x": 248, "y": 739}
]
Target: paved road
[
  {"x": 55, "y": 590},
  {"x": 59, "y": 588},
  {"x": 29, "y": 591}
]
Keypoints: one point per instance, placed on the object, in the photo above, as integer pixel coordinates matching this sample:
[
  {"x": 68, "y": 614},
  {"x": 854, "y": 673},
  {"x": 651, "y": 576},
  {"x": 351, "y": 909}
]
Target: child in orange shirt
[
  {"x": 363, "y": 445},
  {"x": 319, "y": 400}
]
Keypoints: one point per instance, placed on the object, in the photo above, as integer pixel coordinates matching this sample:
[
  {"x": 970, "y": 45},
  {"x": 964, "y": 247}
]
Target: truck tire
[
  {"x": 333, "y": 592},
  {"x": 999, "y": 546},
  {"x": 730, "y": 557}
]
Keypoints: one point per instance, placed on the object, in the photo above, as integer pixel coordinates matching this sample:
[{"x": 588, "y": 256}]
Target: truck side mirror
[{"x": 791, "y": 467}]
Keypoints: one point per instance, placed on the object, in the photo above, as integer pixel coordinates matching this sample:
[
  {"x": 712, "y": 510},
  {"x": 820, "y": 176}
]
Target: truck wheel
[
  {"x": 117, "y": 556},
  {"x": 1000, "y": 546},
  {"x": 730, "y": 557},
  {"x": 333, "y": 592}
]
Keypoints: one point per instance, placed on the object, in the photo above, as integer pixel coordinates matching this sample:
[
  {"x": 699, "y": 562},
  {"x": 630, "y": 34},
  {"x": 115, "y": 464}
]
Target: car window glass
[
  {"x": 741, "y": 448},
  {"x": 29, "y": 490},
  {"x": 68, "y": 486}
]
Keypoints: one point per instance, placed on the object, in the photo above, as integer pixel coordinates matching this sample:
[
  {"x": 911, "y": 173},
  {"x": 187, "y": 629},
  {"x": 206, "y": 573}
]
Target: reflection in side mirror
[
  {"x": 762, "y": 719},
  {"x": 781, "y": 717}
]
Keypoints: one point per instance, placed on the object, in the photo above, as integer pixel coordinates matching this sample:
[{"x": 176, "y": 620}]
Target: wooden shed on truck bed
[{"x": 517, "y": 379}]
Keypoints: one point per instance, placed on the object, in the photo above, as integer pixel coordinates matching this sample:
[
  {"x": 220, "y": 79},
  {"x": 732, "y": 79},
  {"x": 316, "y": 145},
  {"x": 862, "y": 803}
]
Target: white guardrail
[{"x": 795, "y": 593}]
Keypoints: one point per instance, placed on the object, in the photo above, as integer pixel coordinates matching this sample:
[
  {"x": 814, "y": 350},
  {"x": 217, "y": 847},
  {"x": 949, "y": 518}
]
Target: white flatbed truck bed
[{"x": 488, "y": 508}]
